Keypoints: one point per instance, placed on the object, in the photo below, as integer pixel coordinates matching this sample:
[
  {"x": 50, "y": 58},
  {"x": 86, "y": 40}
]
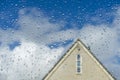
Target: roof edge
[{"x": 78, "y": 40}]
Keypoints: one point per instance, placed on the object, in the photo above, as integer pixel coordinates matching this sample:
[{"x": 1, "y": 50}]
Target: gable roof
[{"x": 68, "y": 52}]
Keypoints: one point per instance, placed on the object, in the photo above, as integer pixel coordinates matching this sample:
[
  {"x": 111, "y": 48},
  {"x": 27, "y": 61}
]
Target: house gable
[{"x": 90, "y": 67}]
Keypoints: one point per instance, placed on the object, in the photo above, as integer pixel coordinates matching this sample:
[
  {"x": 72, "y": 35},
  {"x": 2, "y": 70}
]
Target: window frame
[{"x": 78, "y": 64}]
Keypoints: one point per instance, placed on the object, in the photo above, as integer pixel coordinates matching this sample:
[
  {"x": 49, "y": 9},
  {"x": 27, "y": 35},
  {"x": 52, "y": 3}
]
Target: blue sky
[
  {"x": 79, "y": 11},
  {"x": 33, "y": 31}
]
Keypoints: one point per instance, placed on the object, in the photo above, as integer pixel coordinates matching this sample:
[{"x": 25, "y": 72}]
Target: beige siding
[{"x": 66, "y": 68}]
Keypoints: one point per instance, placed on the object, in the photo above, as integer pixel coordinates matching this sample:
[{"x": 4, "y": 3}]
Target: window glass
[{"x": 78, "y": 63}]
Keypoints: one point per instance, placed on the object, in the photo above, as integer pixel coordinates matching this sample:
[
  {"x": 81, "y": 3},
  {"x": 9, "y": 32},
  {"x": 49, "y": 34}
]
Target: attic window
[{"x": 78, "y": 64}]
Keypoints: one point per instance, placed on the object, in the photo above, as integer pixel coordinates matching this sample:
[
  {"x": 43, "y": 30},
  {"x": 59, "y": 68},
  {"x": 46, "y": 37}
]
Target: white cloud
[
  {"x": 35, "y": 25},
  {"x": 29, "y": 61},
  {"x": 32, "y": 59},
  {"x": 102, "y": 39}
]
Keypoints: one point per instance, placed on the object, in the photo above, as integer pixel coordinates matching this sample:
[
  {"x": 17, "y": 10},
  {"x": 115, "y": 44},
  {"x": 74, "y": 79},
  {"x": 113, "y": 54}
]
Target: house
[{"x": 79, "y": 64}]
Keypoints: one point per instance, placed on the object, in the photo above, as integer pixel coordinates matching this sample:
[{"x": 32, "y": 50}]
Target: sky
[{"x": 34, "y": 34}]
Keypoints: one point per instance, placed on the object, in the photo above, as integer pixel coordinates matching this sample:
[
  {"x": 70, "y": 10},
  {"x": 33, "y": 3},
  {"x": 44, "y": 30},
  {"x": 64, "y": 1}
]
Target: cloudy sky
[{"x": 34, "y": 34}]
